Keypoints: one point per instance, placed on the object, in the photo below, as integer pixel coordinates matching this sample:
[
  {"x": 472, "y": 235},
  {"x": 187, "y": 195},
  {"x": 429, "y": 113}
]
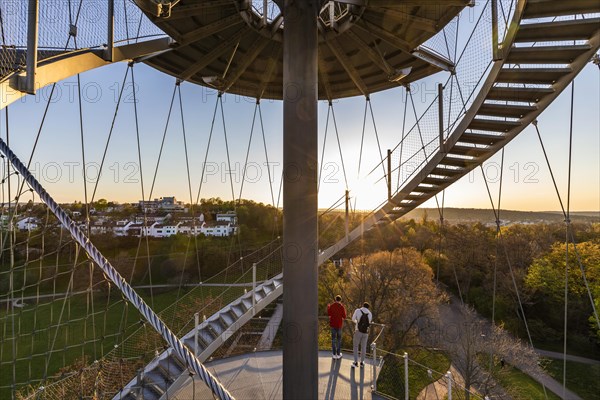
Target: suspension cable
[
  {"x": 362, "y": 138},
  {"x": 337, "y": 135},
  {"x": 510, "y": 268},
  {"x": 567, "y": 228}
]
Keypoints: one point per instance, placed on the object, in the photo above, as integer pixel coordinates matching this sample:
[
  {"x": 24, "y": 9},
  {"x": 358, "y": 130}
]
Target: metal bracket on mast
[{"x": 33, "y": 12}]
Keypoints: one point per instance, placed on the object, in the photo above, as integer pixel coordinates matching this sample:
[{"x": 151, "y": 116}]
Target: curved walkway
[{"x": 559, "y": 356}]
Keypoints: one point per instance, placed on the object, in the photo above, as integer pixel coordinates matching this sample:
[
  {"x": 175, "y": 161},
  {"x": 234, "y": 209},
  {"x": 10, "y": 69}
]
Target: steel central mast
[{"x": 300, "y": 231}]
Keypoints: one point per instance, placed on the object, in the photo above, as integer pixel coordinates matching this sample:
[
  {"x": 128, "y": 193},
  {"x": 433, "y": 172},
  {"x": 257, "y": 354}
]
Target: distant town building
[
  {"x": 225, "y": 225},
  {"x": 230, "y": 217},
  {"x": 166, "y": 204}
]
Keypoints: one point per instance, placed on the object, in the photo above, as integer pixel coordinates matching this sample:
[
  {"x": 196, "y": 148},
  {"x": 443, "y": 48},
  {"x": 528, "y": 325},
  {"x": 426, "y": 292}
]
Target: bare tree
[
  {"x": 477, "y": 344},
  {"x": 399, "y": 285}
]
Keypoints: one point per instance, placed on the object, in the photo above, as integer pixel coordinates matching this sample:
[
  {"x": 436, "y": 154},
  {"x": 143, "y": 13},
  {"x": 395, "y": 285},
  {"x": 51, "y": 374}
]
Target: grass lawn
[
  {"x": 520, "y": 385},
  {"x": 391, "y": 378},
  {"x": 582, "y": 379},
  {"x": 85, "y": 336}
]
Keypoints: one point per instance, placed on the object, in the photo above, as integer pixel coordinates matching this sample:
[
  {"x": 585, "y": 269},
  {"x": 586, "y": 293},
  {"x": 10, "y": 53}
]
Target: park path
[
  {"x": 559, "y": 356},
  {"x": 451, "y": 315}
]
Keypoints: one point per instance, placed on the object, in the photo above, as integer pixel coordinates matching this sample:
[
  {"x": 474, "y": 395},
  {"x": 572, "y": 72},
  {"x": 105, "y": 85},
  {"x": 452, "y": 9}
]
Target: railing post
[
  {"x": 265, "y": 12},
  {"x": 374, "y": 369},
  {"x": 253, "y": 288},
  {"x": 389, "y": 173},
  {"x": 196, "y": 323},
  {"x": 33, "y": 14},
  {"x": 441, "y": 114},
  {"x": 347, "y": 213},
  {"x": 406, "y": 394},
  {"x": 449, "y": 377},
  {"x": 496, "y": 53},
  {"x": 110, "y": 40}
]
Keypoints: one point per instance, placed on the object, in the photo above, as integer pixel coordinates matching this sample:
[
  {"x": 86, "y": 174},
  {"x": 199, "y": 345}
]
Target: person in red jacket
[{"x": 337, "y": 315}]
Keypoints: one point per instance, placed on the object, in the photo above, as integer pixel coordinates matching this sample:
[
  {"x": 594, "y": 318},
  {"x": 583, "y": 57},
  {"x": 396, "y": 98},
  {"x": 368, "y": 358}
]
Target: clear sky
[{"x": 58, "y": 161}]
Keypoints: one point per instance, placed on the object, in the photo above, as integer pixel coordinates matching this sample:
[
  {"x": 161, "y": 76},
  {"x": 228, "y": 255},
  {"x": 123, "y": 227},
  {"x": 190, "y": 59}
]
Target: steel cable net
[
  {"x": 68, "y": 333},
  {"x": 424, "y": 381},
  {"x": 472, "y": 57},
  {"x": 67, "y": 25}
]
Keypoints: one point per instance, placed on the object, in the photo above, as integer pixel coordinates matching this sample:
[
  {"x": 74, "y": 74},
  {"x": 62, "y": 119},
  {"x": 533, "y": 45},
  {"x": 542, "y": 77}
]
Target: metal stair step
[
  {"x": 206, "y": 335},
  {"x": 546, "y": 54},
  {"x": 247, "y": 303},
  {"x": 414, "y": 197},
  {"x": 171, "y": 365},
  {"x": 151, "y": 389},
  {"x": 259, "y": 294},
  {"x": 555, "y": 8},
  {"x": 532, "y": 75},
  {"x": 215, "y": 327},
  {"x": 458, "y": 162},
  {"x": 155, "y": 379},
  {"x": 229, "y": 317},
  {"x": 528, "y": 95},
  {"x": 493, "y": 125},
  {"x": 579, "y": 29},
  {"x": 148, "y": 393},
  {"x": 468, "y": 150},
  {"x": 505, "y": 110},
  {"x": 480, "y": 138},
  {"x": 441, "y": 171},
  {"x": 237, "y": 309},
  {"x": 427, "y": 189},
  {"x": 436, "y": 181}
]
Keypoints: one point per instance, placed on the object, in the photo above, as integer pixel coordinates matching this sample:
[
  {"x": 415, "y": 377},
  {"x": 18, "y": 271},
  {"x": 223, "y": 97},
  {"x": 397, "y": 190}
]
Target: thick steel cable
[
  {"x": 193, "y": 235},
  {"x": 178, "y": 347},
  {"x": 212, "y": 127},
  {"x": 233, "y": 239},
  {"x": 337, "y": 135},
  {"x": 376, "y": 133},
  {"x": 362, "y": 138},
  {"x": 512, "y": 274},
  {"x": 404, "y": 133},
  {"x": 90, "y": 297},
  {"x": 262, "y": 127},
  {"x": 572, "y": 240},
  {"x": 567, "y": 228},
  {"x": 323, "y": 149},
  {"x": 2, "y": 27}
]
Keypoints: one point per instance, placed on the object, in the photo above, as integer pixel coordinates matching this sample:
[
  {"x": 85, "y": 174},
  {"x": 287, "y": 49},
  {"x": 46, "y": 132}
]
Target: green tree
[
  {"x": 546, "y": 278},
  {"x": 547, "y": 273}
]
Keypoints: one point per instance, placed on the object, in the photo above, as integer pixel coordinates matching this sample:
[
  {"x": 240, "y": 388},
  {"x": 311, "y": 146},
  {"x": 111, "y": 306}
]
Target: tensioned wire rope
[{"x": 500, "y": 242}]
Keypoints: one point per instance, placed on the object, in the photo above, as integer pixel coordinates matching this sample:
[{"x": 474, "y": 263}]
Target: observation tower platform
[{"x": 258, "y": 376}]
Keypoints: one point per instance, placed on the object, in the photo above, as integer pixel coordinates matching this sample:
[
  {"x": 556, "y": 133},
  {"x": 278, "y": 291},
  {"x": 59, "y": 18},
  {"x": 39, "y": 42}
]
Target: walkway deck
[{"x": 258, "y": 376}]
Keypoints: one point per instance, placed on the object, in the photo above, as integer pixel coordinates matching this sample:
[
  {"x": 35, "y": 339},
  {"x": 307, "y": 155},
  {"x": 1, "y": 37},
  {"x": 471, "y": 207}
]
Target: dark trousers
[{"x": 336, "y": 340}]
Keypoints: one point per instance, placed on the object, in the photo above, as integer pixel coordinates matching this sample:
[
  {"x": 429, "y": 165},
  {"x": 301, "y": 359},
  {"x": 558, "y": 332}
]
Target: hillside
[{"x": 458, "y": 215}]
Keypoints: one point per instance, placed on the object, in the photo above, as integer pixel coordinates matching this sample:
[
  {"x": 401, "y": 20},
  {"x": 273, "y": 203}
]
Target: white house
[
  {"x": 163, "y": 230},
  {"x": 27, "y": 224},
  {"x": 218, "y": 228}
]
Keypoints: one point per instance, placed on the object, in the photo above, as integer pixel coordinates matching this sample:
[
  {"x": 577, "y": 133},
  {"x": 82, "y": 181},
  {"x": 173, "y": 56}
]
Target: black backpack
[{"x": 363, "y": 322}]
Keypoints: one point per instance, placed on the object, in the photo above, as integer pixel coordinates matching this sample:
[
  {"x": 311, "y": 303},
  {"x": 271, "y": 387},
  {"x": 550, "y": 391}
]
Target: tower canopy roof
[{"x": 365, "y": 46}]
